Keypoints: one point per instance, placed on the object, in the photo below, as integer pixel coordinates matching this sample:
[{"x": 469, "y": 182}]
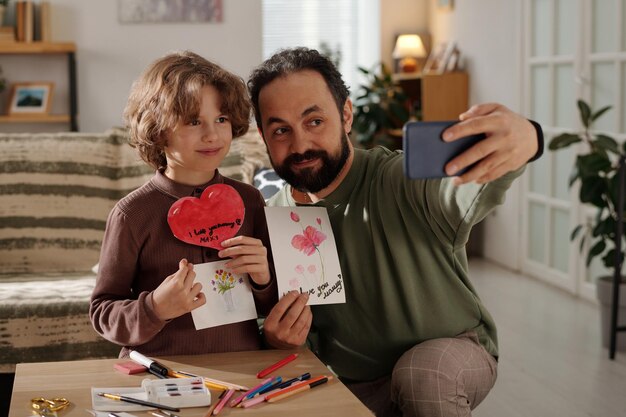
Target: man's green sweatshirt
[{"x": 402, "y": 252}]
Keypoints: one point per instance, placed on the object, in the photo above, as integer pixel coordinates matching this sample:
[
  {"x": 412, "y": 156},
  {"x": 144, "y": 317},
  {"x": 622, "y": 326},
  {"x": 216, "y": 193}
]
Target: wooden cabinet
[
  {"x": 436, "y": 96},
  {"x": 39, "y": 48}
]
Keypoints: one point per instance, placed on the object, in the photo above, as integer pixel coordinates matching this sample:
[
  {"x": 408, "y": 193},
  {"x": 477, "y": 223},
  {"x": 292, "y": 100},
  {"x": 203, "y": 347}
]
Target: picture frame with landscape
[{"x": 30, "y": 98}]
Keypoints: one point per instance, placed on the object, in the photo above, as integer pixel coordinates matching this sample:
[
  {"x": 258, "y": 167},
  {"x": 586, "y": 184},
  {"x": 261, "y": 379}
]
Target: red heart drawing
[{"x": 209, "y": 220}]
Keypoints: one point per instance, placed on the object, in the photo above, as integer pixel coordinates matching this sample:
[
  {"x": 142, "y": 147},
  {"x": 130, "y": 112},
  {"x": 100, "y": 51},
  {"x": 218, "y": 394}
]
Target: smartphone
[{"x": 425, "y": 152}]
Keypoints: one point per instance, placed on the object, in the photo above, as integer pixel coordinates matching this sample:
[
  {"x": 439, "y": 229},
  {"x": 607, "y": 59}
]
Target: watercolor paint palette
[
  {"x": 178, "y": 392},
  {"x": 174, "y": 392}
]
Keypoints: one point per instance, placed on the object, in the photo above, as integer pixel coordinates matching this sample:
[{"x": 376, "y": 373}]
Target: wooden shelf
[
  {"x": 438, "y": 96},
  {"x": 47, "y": 48},
  {"x": 37, "y": 47},
  {"x": 35, "y": 118}
]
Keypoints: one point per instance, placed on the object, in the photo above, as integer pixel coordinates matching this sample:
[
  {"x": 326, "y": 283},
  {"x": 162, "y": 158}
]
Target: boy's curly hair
[{"x": 168, "y": 91}]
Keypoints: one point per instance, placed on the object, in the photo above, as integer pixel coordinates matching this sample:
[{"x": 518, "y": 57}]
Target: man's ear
[
  {"x": 258, "y": 128},
  {"x": 347, "y": 116}
]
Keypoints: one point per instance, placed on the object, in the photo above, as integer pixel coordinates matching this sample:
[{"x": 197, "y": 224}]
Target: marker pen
[{"x": 151, "y": 364}]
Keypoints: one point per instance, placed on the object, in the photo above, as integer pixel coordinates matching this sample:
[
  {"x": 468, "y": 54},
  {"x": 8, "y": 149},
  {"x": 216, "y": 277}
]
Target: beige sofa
[{"x": 57, "y": 190}]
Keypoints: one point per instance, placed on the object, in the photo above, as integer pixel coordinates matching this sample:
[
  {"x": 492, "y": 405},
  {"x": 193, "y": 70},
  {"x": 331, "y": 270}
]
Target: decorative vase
[
  {"x": 604, "y": 291},
  {"x": 228, "y": 301}
]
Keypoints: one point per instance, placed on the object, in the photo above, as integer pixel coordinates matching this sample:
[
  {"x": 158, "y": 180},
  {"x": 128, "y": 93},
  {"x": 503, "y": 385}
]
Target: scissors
[{"x": 45, "y": 406}]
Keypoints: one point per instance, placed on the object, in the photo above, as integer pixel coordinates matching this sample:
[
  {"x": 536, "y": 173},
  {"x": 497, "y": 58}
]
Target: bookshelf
[{"x": 43, "y": 48}]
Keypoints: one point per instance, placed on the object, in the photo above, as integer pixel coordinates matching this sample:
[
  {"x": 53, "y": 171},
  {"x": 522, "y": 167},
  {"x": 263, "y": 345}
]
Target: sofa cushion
[{"x": 57, "y": 191}]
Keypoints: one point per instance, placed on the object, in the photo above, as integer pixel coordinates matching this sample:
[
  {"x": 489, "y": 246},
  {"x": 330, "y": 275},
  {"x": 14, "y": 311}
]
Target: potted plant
[
  {"x": 596, "y": 171},
  {"x": 3, "y": 8},
  {"x": 380, "y": 109},
  {"x": 3, "y": 82}
]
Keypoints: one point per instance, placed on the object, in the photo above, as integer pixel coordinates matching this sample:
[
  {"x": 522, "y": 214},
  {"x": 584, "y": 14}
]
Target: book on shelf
[
  {"x": 7, "y": 34},
  {"x": 32, "y": 21},
  {"x": 20, "y": 10},
  {"x": 29, "y": 22},
  {"x": 44, "y": 33}
]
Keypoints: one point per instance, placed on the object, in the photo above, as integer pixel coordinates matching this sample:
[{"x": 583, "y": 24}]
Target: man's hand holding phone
[
  {"x": 510, "y": 142},
  {"x": 488, "y": 141}
]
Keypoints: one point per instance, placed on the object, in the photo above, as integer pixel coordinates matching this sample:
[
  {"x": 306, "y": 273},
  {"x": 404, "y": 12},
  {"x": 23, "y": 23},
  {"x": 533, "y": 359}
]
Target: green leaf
[
  {"x": 605, "y": 227},
  {"x": 575, "y": 232},
  {"x": 609, "y": 258},
  {"x": 600, "y": 113},
  {"x": 585, "y": 113},
  {"x": 574, "y": 175},
  {"x": 400, "y": 112},
  {"x": 364, "y": 70},
  {"x": 563, "y": 141},
  {"x": 607, "y": 143},
  {"x": 591, "y": 191},
  {"x": 595, "y": 250},
  {"x": 593, "y": 163},
  {"x": 582, "y": 243}
]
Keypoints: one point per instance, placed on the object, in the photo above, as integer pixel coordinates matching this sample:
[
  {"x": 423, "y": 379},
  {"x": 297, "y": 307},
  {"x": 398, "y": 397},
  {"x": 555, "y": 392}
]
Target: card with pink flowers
[
  {"x": 228, "y": 296},
  {"x": 305, "y": 254}
]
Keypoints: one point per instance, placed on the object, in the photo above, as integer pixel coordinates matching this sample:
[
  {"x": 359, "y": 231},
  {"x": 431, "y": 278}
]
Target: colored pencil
[
  {"x": 263, "y": 373},
  {"x": 294, "y": 387},
  {"x": 298, "y": 390},
  {"x": 223, "y": 401},
  {"x": 245, "y": 394}
]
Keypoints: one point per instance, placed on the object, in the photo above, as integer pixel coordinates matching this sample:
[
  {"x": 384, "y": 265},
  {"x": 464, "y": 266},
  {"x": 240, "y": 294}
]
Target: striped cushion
[{"x": 57, "y": 190}]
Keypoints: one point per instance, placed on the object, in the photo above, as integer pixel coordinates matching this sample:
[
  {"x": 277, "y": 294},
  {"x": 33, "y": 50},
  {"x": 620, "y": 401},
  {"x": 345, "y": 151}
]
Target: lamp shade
[{"x": 409, "y": 46}]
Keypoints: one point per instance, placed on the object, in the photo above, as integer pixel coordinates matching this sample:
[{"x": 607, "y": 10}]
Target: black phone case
[{"x": 425, "y": 152}]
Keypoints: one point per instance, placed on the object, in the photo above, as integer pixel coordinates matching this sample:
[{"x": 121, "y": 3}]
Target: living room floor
[{"x": 551, "y": 359}]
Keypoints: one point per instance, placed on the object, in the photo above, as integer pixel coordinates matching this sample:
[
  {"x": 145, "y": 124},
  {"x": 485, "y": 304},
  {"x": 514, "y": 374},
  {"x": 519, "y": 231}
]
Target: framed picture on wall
[
  {"x": 30, "y": 98},
  {"x": 445, "y": 4}
]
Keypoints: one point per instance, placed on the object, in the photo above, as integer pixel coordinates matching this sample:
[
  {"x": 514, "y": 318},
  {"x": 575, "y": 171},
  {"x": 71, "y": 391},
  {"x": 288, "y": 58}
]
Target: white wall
[
  {"x": 488, "y": 33},
  {"x": 397, "y": 17},
  {"x": 110, "y": 56}
]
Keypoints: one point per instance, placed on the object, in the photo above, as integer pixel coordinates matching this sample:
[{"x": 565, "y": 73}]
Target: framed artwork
[
  {"x": 30, "y": 98},
  {"x": 434, "y": 61},
  {"x": 445, "y": 4},
  {"x": 167, "y": 11}
]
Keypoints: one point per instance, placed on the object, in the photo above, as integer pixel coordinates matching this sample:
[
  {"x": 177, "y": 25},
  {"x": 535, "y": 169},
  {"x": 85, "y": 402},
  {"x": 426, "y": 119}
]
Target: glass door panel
[
  {"x": 603, "y": 84},
  {"x": 604, "y": 27}
]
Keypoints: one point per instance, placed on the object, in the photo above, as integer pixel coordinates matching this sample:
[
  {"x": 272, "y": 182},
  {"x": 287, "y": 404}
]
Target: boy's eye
[
  {"x": 194, "y": 122},
  {"x": 222, "y": 119}
]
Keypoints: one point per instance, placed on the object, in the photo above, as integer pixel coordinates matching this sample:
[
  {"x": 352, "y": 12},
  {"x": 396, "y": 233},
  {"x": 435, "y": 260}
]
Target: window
[{"x": 348, "y": 26}]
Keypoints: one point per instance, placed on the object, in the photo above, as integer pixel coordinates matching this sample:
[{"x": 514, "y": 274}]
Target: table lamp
[{"x": 408, "y": 48}]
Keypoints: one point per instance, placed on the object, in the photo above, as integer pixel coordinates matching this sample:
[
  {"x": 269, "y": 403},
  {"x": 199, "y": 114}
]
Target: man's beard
[{"x": 310, "y": 179}]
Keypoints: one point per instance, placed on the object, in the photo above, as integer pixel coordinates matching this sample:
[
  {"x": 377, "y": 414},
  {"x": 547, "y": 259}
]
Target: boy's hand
[
  {"x": 249, "y": 256},
  {"x": 177, "y": 294}
]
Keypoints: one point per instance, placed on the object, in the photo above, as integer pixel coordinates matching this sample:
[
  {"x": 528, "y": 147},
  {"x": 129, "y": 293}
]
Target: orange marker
[{"x": 310, "y": 385}]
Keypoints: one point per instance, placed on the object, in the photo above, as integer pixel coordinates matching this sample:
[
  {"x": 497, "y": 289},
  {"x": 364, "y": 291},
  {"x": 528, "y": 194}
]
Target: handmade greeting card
[
  {"x": 305, "y": 255},
  {"x": 209, "y": 220},
  {"x": 228, "y": 296}
]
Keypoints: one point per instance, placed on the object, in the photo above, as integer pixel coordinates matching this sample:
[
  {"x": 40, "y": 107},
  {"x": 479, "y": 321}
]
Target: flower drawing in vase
[
  {"x": 309, "y": 241},
  {"x": 223, "y": 283}
]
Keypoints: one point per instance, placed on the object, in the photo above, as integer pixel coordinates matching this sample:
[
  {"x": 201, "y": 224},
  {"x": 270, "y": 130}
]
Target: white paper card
[
  {"x": 228, "y": 296},
  {"x": 305, "y": 254}
]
